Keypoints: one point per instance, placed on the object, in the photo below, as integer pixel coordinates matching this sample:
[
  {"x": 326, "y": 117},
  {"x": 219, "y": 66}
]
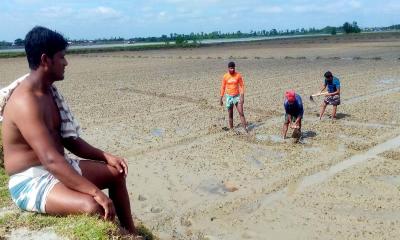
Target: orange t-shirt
[{"x": 233, "y": 84}]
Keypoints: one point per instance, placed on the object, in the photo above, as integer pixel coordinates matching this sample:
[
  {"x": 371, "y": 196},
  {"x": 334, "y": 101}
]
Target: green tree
[
  {"x": 180, "y": 40},
  {"x": 355, "y": 27},
  {"x": 351, "y": 28},
  {"x": 19, "y": 42}
]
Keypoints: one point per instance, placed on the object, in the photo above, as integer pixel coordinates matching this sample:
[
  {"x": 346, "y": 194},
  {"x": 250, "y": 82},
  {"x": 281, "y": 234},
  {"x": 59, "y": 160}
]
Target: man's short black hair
[
  {"x": 41, "y": 40},
  {"x": 328, "y": 74},
  {"x": 231, "y": 64}
]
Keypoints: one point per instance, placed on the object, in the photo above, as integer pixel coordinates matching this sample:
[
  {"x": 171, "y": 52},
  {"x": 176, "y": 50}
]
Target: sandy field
[{"x": 190, "y": 179}]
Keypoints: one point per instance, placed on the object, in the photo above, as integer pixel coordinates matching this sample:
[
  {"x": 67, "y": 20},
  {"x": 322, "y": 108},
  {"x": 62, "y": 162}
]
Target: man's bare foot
[{"x": 128, "y": 235}]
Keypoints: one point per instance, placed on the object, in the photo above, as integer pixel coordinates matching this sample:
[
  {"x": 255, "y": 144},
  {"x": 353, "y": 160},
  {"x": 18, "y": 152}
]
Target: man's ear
[{"x": 44, "y": 60}]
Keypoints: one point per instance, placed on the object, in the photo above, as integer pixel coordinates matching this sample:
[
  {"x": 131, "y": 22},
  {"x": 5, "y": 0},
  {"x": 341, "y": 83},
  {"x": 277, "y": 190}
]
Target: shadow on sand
[
  {"x": 308, "y": 134},
  {"x": 342, "y": 115}
]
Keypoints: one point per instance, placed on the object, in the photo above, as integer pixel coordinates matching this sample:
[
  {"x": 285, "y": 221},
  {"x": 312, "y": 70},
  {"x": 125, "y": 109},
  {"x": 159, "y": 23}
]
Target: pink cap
[{"x": 290, "y": 95}]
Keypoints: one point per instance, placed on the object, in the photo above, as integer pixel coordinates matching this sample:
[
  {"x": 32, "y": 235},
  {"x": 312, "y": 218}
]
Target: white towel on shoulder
[{"x": 69, "y": 125}]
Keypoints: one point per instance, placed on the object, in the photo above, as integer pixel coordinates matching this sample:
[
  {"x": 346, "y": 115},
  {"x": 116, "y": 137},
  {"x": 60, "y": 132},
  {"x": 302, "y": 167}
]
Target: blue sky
[{"x": 87, "y": 19}]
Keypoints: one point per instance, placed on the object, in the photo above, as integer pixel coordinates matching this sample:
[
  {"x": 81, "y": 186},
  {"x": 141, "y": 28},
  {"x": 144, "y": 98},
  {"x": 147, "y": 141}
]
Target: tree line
[{"x": 197, "y": 37}]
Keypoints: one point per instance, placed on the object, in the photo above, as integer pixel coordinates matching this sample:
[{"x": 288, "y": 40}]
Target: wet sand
[{"x": 190, "y": 179}]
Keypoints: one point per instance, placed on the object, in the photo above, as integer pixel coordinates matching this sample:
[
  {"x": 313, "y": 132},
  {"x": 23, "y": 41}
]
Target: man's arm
[
  {"x": 241, "y": 90},
  {"x": 222, "y": 90},
  {"x": 28, "y": 117},
  {"x": 323, "y": 87},
  {"x": 335, "y": 93},
  {"x": 82, "y": 149}
]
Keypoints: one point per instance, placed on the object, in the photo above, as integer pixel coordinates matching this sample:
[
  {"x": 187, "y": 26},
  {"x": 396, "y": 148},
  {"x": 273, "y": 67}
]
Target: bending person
[{"x": 293, "y": 113}]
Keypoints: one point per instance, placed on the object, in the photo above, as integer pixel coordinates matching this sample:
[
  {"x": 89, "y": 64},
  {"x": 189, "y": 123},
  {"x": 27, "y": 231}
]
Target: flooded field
[{"x": 191, "y": 179}]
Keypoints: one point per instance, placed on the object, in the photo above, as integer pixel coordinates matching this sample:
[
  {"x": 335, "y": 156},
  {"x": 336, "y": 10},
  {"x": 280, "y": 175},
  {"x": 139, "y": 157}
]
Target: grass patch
[
  {"x": 110, "y": 49},
  {"x": 5, "y": 199},
  {"x": 12, "y": 54},
  {"x": 72, "y": 227}
]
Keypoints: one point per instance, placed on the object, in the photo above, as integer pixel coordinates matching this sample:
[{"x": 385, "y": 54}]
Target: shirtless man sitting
[{"x": 37, "y": 125}]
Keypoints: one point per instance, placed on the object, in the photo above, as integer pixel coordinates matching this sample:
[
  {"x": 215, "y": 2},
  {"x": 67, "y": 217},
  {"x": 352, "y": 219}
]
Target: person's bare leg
[
  {"x": 63, "y": 201},
  {"x": 285, "y": 129},
  {"x": 323, "y": 107},
  {"x": 239, "y": 107},
  {"x": 300, "y": 124},
  {"x": 105, "y": 176},
  {"x": 334, "y": 112},
  {"x": 299, "y": 128},
  {"x": 230, "y": 116}
]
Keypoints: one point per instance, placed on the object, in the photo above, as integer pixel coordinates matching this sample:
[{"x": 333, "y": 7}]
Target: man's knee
[
  {"x": 90, "y": 206},
  {"x": 117, "y": 177}
]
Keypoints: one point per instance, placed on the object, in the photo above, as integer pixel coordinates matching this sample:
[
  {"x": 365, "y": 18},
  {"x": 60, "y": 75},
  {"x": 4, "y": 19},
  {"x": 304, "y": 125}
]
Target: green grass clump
[
  {"x": 5, "y": 199},
  {"x": 12, "y": 54},
  {"x": 145, "y": 232},
  {"x": 72, "y": 227}
]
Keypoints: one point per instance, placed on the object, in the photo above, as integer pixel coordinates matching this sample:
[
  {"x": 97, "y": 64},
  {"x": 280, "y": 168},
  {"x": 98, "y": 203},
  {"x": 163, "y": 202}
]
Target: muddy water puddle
[
  {"x": 388, "y": 81},
  {"x": 313, "y": 149},
  {"x": 212, "y": 186},
  {"x": 253, "y": 162},
  {"x": 182, "y": 131},
  {"x": 157, "y": 132},
  {"x": 272, "y": 138},
  {"x": 389, "y": 179}
]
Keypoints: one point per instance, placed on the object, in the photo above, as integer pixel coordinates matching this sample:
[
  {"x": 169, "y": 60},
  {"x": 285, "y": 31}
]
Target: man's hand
[
  {"x": 117, "y": 162},
  {"x": 294, "y": 126},
  {"x": 106, "y": 203}
]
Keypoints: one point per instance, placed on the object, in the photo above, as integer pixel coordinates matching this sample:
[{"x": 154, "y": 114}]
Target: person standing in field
[
  {"x": 332, "y": 83},
  {"x": 232, "y": 87},
  {"x": 293, "y": 113},
  {"x": 37, "y": 126}
]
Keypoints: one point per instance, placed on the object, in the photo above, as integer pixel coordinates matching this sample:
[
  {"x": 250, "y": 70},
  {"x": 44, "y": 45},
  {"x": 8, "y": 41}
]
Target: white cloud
[
  {"x": 55, "y": 12},
  {"x": 393, "y": 6},
  {"x": 339, "y": 6},
  {"x": 269, "y": 9},
  {"x": 307, "y": 8},
  {"x": 355, "y": 4},
  {"x": 27, "y": 1},
  {"x": 105, "y": 12}
]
